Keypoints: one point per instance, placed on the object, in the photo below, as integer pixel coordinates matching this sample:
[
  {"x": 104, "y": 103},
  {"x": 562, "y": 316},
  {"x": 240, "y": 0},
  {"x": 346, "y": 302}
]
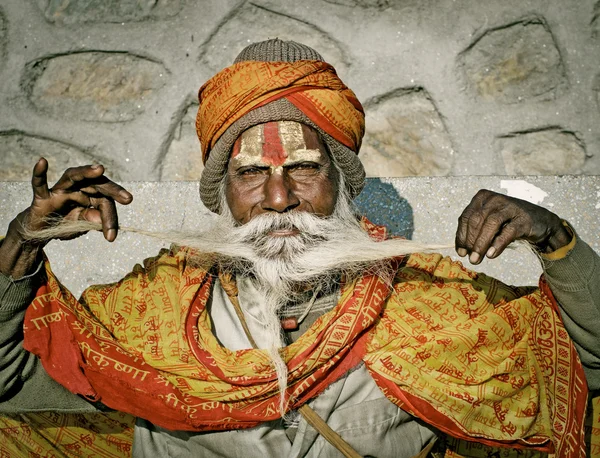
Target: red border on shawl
[{"x": 426, "y": 412}]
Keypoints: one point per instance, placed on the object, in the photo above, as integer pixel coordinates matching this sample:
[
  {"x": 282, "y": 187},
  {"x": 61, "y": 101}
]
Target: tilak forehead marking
[
  {"x": 273, "y": 149},
  {"x": 274, "y": 144}
]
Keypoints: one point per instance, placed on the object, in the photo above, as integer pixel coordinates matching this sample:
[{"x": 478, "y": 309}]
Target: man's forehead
[{"x": 276, "y": 142}]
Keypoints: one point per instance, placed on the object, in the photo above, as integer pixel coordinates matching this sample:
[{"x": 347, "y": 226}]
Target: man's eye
[
  {"x": 250, "y": 171},
  {"x": 304, "y": 168}
]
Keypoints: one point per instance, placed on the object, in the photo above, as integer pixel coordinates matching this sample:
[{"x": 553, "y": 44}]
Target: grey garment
[
  {"x": 24, "y": 384},
  {"x": 353, "y": 406},
  {"x": 228, "y": 329},
  {"x": 575, "y": 282}
]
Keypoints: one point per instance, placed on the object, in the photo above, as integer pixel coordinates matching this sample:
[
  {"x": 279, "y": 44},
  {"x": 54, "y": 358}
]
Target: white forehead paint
[{"x": 275, "y": 145}]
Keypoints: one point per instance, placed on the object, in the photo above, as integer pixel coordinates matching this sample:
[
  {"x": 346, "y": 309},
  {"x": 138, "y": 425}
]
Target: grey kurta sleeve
[
  {"x": 575, "y": 282},
  {"x": 24, "y": 384}
]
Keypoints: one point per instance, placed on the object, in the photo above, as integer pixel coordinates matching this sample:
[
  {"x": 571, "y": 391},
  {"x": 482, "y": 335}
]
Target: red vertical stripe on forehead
[{"x": 273, "y": 150}]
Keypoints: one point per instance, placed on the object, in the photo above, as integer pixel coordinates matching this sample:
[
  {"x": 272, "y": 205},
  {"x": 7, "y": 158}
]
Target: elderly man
[{"x": 292, "y": 328}]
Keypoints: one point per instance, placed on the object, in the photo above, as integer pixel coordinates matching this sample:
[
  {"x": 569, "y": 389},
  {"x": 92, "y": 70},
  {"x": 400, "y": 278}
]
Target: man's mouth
[{"x": 284, "y": 232}]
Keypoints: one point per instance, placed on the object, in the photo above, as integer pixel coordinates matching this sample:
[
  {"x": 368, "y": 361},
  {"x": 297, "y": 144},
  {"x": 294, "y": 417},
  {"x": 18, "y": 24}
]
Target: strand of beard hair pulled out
[
  {"x": 210, "y": 243},
  {"x": 211, "y": 246}
]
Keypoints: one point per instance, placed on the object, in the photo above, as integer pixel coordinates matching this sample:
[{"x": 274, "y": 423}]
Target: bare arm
[{"x": 81, "y": 193}]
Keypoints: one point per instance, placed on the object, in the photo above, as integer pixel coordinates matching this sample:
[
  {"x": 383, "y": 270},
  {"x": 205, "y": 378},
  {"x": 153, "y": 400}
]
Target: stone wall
[{"x": 450, "y": 87}]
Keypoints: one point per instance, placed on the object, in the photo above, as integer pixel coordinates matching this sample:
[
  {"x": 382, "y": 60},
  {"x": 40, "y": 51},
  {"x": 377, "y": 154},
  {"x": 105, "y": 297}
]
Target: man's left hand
[{"x": 492, "y": 221}]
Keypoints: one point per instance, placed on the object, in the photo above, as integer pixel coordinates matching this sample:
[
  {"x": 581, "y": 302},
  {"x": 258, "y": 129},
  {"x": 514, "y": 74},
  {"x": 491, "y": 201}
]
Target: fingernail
[
  {"x": 491, "y": 252},
  {"x": 111, "y": 234},
  {"x": 125, "y": 195},
  {"x": 474, "y": 258},
  {"x": 96, "y": 166},
  {"x": 461, "y": 252}
]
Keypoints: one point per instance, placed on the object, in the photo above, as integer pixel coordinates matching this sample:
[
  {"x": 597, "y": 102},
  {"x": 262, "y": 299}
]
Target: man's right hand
[{"x": 82, "y": 193}]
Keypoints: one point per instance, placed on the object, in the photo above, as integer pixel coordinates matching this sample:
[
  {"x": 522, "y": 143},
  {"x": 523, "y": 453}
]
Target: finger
[
  {"x": 109, "y": 189},
  {"x": 469, "y": 222},
  {"x": 66, "y": 202},
  {"x": 469, "y": 227},
  {"x": 508, "y": 234},
  {"x": 488, "y": 233},
  {"x": 89, "y": 214},
  {"x": 108, "y": 214},
  {"x": 73, "y": 176},
  {"x": 77, "y": 199},
  {"x": 462, "y": 232},
  {"x": 39, "y": 179}
]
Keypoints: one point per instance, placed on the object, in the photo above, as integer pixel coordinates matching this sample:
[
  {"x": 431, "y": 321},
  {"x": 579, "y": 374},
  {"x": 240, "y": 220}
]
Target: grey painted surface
[{"x": 424, "y": 209}]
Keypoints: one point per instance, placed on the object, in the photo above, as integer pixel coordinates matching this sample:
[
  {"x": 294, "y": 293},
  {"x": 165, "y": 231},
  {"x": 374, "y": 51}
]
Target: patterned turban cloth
[{"x": 277, "y": 80}]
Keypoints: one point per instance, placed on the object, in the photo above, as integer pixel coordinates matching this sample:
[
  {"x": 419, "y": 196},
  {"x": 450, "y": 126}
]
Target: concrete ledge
[{"x": 424, "y": 209}]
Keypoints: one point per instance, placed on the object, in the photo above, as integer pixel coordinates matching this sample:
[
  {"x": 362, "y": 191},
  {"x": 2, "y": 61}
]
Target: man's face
[{"x": 278, "y": 167}]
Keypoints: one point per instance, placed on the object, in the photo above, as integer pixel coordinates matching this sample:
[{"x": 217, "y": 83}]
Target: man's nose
[{"x": 279, "y": 196}]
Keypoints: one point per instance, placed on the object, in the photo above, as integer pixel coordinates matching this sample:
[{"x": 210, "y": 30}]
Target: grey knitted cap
[
  {"x": 274, "y": 50},
  {"x": 277, "y": 50}
]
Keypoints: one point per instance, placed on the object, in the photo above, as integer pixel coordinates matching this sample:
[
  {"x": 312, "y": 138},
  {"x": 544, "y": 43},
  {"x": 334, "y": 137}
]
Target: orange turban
[{"x": 310, "y": 85}]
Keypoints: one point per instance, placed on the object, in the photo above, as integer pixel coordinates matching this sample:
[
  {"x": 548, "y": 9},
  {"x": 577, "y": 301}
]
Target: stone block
[
  {"x": 544, "y": 152},
  {"x": 93, "y": 86},
  {"x": 20, "y": 151},
  {"x": 382, "y": 5},
  {"x": 405, "y": 136},
  {"x": 515, "y": 63},
  {"x": 251, "y": 23},
  {"x": 83, "y": 11},
  {"x": 183, "y": 159}
]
